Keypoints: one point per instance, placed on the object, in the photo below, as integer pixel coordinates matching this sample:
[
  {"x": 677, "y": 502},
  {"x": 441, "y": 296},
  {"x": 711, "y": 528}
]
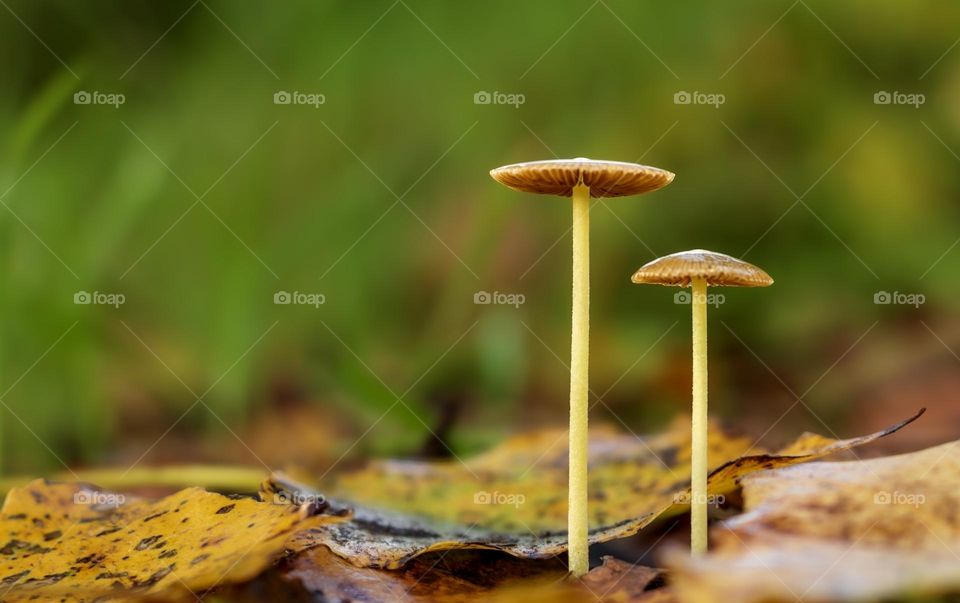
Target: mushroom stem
[
  {"x": 577, "y": 518},
  {"x": 698, "y": 457}
]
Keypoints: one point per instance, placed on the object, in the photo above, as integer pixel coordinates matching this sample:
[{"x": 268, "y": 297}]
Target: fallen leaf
[
  {"x": 513, "y": 498},
  {"x": 451, "y": 577},
  {"x": 844, "y": 531},
  {"x": 621, "y": 582},
  {"x": 77, "y": 543},
  {"x": 226, "y": 478}
]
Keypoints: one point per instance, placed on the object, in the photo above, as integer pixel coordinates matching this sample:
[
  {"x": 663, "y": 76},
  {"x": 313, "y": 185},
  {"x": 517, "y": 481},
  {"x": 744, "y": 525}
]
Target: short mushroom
[
  {"x": 580, "y": 179},
  {"x": 699, "y": 269}
]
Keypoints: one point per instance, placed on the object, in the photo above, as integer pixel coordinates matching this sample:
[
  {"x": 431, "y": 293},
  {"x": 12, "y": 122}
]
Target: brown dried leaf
[
  {"x": 617, "y": 581},
  {"x": 468, "y": 577},
  {"x": 851, "y": 531},
  {"x": 513, "y": 498},
  {"x": 449, "y": 578}
]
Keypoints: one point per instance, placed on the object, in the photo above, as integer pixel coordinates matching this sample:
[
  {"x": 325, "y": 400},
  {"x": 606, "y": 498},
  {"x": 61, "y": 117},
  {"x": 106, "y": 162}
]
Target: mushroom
[
  {"x": 699, "y": 269},
  {"x": 580, "y": 179}
]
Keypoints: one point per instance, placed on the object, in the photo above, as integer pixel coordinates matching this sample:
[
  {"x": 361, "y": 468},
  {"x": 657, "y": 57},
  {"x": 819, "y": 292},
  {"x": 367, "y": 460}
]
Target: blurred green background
[{"x": 199, "y": 198}]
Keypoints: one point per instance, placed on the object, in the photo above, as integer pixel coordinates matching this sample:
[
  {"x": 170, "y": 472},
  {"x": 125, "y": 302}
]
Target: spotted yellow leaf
[{"x": 76, "y": 543}]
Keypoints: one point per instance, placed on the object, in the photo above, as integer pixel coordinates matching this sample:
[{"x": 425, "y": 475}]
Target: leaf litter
[
  {"x": 427, "y": 522},
  {"x": 513, "y": 498}
]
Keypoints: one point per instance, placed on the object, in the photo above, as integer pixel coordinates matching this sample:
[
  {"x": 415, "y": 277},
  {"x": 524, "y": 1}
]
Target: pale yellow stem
[
  {"x": 698, "y": 461},
  {"x": 577, "y": 518}
]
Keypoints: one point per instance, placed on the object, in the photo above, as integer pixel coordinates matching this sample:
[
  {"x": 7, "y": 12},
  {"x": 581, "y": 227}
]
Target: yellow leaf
[
  {"x": 513, "y": 498},
  {"x": 75, "y": 542},
  {"x": 853, "y": 531}
]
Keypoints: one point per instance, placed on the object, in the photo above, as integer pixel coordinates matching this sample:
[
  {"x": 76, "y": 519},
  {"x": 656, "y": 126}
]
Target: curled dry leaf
[
  {"x": 513, "y": 498},
  {"x": 617, "y": 581},
  {"x": 453, "y": 577},
  {"x": 76, "y": 543},
  {"x": 450, "y": 577},
  {"x": 853, "y": 531}
]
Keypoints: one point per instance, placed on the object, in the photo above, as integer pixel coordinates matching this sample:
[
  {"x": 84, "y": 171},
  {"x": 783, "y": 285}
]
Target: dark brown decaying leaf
[
  {"x": 853, "y": 531},
  {"x": 452, "y": 577},
  {"x": 618, "y": 580},
  {"x": 512, "y": 498}
]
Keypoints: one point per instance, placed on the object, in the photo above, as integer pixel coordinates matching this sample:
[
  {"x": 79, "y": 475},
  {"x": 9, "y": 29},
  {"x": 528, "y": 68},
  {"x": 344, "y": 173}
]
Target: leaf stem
[{"x": 225, "y": 478}]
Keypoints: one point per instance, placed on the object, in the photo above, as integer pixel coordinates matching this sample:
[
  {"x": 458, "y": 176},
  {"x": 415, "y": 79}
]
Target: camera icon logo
[
  {"x": 82, "y": 98},
  {"x": 682, "y": 298},
  {"x": 282, "y": 97},
  {"x": 881, "y": 498},
  {"x": 882, "y": 298},
  {"x": 482, "y": 98},
  {"x": 682, "y": 98},
  {"x": 282, "y": 298},
  {"x": 82, "y": 298},
  {"x": 83, "y": 497},
  {"x": 481, "y": 498},
  {"x": 482, "y": 298},
  {"x": 882, "y": 98}
]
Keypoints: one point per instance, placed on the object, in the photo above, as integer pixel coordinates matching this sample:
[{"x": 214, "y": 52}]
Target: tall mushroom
[
  {"x": 699, "y": 269},
  {"x": 580, "y": 179}
]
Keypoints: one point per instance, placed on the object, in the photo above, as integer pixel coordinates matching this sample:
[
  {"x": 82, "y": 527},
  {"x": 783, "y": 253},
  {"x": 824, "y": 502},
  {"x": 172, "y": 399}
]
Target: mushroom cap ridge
[
  {"x": 559, "y": 176},
  {"x": 718, "y": 269}
]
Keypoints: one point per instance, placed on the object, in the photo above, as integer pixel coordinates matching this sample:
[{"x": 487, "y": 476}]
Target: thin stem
[
  {"x": 577, "y": 518},
  {"x": 698, "y": 459}
]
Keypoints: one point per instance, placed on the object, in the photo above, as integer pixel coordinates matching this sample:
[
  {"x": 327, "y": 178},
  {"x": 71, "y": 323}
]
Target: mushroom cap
[
  {"x": 559, "y": 176},
  {"x": 718, "y": 269}
]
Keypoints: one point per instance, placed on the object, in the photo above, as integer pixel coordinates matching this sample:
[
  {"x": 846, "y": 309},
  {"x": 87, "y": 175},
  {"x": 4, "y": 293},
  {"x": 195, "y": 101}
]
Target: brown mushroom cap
[
  {"x": 718, "y": 269},
  {"x": 605, "y": 178}
]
